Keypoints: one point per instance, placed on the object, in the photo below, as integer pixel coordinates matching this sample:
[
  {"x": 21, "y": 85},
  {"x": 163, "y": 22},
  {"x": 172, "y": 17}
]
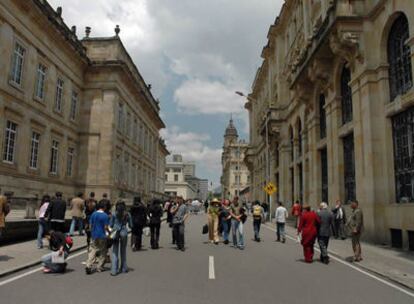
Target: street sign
[{"x": 270, "y": 188}]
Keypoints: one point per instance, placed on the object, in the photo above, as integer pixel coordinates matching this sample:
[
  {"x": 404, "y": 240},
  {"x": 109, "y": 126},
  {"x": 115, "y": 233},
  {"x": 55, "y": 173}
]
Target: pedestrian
[
  {"x": 356, "y": 226},
  {"x": 236, "y": 213},
  {"x": 180, "y": 215},
  {"x": 107, "y": 203},
  {"x": 139, "y": 221},
  {"x": 308, "y": 228},
  {"x": 206, "y": 204},
  {"x": 42, "y": 229},
  {"x": 4, "y": 211},
  {"x": 281, "y": 215},
  {"x": 213, "y": 213},
  {"x": 339, "y": 221},
  {"x": 155, "y": 213},
  {"x": 258, "y": 217},
  {"x": 99, "y": 225},
  {"x": 265, "y": 207},
  {"x": 56, "y": 213},
  {"x": 324, "y": 231},
  {"x": 60, "y": 245},
  {"x": 118, "y": 223},
  {"x": 296, "y": 212},
  {"x": 167, "y": 207},
  {"x": 77, "y": 206},
  {"x": 225, "y": 219},
  {"x": 90, "y": 208}
]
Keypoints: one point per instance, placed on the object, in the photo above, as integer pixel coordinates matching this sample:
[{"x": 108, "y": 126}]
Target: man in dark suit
[{"x": 324, "y": 231}]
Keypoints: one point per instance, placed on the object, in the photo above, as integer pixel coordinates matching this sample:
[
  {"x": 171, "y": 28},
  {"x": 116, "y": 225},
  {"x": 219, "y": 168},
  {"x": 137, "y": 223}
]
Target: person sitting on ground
[{"x": 60, "y": 246}]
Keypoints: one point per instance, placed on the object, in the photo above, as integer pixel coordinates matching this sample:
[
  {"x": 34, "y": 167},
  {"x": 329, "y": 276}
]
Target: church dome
[{"x": 231, "y": 130}]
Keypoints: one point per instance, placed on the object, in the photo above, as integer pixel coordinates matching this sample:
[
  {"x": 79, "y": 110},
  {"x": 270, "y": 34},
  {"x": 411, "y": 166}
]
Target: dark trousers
[
  {"x": 323, "y": 245},
  {"x": 339, "y": 229},
  {"x": 179, "y": 235},
  {"x": 256, "y": 227},
  {"x": 155, "y": 235},
  {"x": 58, "y": 226},
  {"x": 136, "y": 238}
]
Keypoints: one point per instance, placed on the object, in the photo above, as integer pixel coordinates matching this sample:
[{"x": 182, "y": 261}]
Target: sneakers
[{"x": 226, "y": 242}]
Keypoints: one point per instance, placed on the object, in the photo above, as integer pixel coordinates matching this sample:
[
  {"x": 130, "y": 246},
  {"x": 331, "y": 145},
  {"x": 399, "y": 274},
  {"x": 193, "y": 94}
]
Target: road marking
[
  {"x": 411, "y": 294},
  {"x": 211, "y": 272},
  {"x": 36, "y": 270}
]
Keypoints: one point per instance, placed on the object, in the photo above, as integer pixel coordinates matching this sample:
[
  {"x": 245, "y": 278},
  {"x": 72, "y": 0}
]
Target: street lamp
[{"x": 267, "y": 153}]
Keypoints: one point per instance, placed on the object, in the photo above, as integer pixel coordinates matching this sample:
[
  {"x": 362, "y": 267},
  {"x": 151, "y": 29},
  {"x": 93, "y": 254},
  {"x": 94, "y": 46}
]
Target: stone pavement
[
  {"x": 23, "y": 255},
  {"x": 395, "y": 265}
]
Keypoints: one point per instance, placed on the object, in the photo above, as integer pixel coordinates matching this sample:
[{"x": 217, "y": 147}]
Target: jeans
[
  {"x": 119, "y": 251},
  {"x": 237, "y": 233},
  {"x": 280, "y": 231},
  {"x": 179, "y": 235},
  {"x": 155, "y": 235},
  {"x": 226, "y": 229},
  {"x": 256, "y": 228},
  {"x": 76, "y": 221},
  {"x": 47, "y": 262},
  {"x": 40, "y": 232},
  {"x": 323, "y": 245}
]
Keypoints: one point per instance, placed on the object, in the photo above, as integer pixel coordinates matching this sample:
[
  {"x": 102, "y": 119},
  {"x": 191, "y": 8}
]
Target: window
[
  {"x": 166, "y": 177},
  {"x": 17, "y": 64},
  {"x": 322, "y": 117},
  {"x": 176, "y": 177},
  {"x": 126, "y": 167},
  {"x": 120, "y": 117},
  {"x": 59, "y": 95},
  {"x": 399, "y": 58},
  {"x": 292, "y": 144},
  {"x": 292, "y": 184},
  {"x": 54, "y": 157},
  {"x": 346, "y": 96},
  {"x": 176, "y": 170},
  {"x": 349, "y": 168},
  {"x": 135, "y": 132},
  {"x": 299, "y": 138},
  {"x": 403, "y": 136},
  {"x": 34, "y": 150},
  {"x": 40, "y": 81},
  {"x": 300, "y": 169},
  {"x": 324, "y": 174},
  {"x": 277, "y": 155},
  {"x": 73, "y": 105},
  {"x": 128, "y": 125},
  {"x": 69, "y": 167},
  {"x": 10, "y": 142}
]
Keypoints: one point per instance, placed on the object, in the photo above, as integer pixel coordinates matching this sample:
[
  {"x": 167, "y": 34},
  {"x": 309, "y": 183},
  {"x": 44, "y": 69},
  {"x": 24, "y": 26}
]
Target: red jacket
[
  {"x": 296, "y": 210},
  {"x": 308, "y": 225}
]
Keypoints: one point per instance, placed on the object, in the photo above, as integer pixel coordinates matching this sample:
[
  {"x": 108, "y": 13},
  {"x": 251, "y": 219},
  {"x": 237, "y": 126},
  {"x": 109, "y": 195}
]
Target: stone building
[
  {"x": 75, "y": 115},
  {"x": 161, "y": 167},
  {"x": 176, "y": 182},
  {"x": 335, "y": 91},
  {"x": 235, "y": 176}
]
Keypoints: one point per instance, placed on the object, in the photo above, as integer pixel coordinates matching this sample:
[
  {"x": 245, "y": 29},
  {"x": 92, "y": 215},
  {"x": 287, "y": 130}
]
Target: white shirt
[{"x": 281, "y": 214}]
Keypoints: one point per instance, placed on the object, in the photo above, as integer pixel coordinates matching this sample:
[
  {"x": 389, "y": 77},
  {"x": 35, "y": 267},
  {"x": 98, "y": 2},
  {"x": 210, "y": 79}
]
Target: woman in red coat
[{"x": 308, "y": 226}]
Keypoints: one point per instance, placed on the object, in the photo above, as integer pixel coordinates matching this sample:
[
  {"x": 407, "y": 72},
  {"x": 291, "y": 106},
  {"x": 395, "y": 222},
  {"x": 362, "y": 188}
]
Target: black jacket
[
  {"x": 155, "y": 213},
  {"x": 56, "y": 209},
  {"x": 139, "y": 214}
]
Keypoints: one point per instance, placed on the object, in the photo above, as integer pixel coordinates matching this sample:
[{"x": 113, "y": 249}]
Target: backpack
[{"x": 257, "y": 211}]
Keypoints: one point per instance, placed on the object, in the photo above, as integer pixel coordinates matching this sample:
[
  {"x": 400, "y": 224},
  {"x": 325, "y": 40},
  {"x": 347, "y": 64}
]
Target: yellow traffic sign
[{"x": 270, "y": 188}]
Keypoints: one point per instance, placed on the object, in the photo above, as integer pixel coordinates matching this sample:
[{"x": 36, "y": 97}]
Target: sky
[{"x": 195, "y": 54}]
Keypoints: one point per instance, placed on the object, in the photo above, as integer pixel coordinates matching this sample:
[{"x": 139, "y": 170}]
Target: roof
[{"x": 231, "y": 129}]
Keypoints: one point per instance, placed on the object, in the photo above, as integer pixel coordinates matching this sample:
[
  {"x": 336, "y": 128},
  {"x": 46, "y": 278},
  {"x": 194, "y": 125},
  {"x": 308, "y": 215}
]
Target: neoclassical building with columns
[{"x": 334, "y": 96}]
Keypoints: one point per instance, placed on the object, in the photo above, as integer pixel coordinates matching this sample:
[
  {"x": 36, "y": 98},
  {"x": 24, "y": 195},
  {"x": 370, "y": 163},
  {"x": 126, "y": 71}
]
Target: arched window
[
  {"x": 299, "y": 138},
  {"x": 292, "y": 144},
  {"x": 322, "y": 117},
  {"x": 346, "y": 95},
  {"x": 399, "y": 58}
]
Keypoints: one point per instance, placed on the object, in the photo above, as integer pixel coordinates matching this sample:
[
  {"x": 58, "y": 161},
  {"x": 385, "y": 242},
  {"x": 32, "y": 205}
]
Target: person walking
[
  {"x": 107, "y": 203},
  {"x": 265, "y": 207},
  {"x": 237, "y": 234},
  {"x": 4, "y": 211},
  {"x": 167, "y": 208},
  {"x": 281, "y": 215},
  {"x": 77, "y": 206},
  {"x": 324, "y": 232},
  {"x": 296, "y": 212},
  {"x": 258, "y": 217},
  {"x": 90, "y": 208},
  {"x": 356, "y": 226},
  {"x": 118, "y": 223},
  {"x": 99, "y": 225},
  {"x": 139, "y": 221},
  {"x": 155, "y": 213},
  {"x": 308, "y": 228},
  {"x": 42, "y": 229},
  {"x": 225, "y": 219},
  {"x": 180, "y": 215},
  {"x": 339, "y": 221},
  {"x": 213, "y": 213},
  {"x": 60, "y": 246},
  {"x": 56, "y": 213}
]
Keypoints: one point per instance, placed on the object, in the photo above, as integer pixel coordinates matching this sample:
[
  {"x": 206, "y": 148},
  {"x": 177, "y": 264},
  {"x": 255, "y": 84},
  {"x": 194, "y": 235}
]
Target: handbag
[
  {"x": 205, "y": 229},
  {"x": 114, "y": 235}
]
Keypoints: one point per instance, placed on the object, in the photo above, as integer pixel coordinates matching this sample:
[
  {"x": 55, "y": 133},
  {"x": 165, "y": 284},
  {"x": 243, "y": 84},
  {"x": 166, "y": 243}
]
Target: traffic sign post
[{"x": 270, "y": 188}]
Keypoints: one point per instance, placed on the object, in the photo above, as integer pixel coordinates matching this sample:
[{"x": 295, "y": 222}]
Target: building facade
[
  {"x": 335, "y": 98},
  {"x": 75, "y": 114},
  {"x": 176, "y": 183},
  {"x": 235, "y": 176},
  {"x": 162, "y": 154}
]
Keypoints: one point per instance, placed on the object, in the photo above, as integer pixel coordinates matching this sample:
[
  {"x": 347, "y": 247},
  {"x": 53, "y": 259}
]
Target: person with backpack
[
  {"x": 4, "y": 211},
  {"x": 258, "y": 217},
  {"x": 90, "y": 208},
  {"x": 60, "y": 245},
  {"x": 119, "y": 232},
  {"x": 56, "y": 213},
  {"x": 155, "y": 212},
  {"x": 139, "y": 221},
  {"x": 42, "y": 220}
]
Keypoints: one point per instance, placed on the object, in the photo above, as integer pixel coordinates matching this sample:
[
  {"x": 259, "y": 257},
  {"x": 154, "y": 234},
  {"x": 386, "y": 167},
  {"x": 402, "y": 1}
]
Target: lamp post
[{"x": 269, "y": 197}]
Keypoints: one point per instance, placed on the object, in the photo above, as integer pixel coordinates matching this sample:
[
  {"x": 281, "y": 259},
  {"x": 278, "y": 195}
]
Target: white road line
[
  {"x": 411, "y": 294},
  {"x": 211, "y": 272},
  {"x": 35, "y": 270}
]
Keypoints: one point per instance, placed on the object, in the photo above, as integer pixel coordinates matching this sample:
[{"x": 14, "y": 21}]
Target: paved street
[{"x": 266, "y": 272}]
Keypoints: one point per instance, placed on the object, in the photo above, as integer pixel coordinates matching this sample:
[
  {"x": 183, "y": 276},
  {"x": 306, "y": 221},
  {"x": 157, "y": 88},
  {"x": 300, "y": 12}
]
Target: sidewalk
[
  {"x": 395, "y": 265},
  {"x": 23, "y": 255}
]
